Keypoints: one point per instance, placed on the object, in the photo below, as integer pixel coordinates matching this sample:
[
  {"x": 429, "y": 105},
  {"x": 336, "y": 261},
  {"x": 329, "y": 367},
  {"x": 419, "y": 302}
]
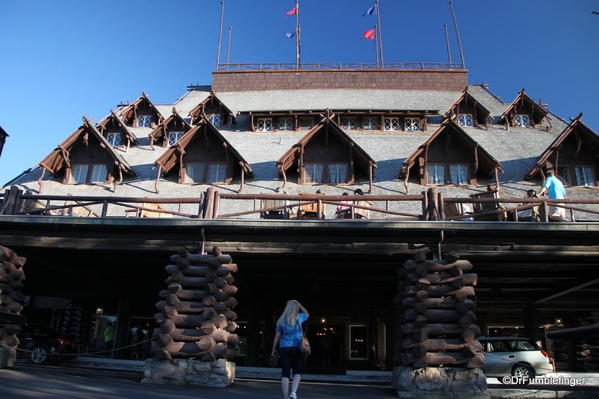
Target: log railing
[{"x": 210, "y": 204}]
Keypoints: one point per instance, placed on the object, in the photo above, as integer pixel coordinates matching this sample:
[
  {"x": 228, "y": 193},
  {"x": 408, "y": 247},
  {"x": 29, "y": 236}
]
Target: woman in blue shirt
[{"x": 289, "y": 333}]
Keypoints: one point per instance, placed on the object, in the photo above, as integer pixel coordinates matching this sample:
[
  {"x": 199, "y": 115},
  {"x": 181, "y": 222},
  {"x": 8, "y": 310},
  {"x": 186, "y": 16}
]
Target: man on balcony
[{"x": 555, "y": 189}]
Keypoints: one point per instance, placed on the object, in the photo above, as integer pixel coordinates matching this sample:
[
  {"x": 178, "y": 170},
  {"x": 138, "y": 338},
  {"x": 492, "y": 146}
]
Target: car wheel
[
  {"x": 39, "y": 355},
  {"x": 524, "y": 371}
]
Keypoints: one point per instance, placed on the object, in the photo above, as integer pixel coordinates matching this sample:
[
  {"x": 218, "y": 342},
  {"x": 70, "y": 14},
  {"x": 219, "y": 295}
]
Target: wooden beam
[{"x": 569, "y": 290}]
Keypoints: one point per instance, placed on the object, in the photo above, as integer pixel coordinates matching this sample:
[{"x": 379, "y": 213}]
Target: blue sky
[{"x": 64, "y": 58}]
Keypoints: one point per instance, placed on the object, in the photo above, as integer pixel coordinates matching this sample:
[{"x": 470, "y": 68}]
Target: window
[
  {"x": 349, "y": 123},
  {"x": 522, "y": 120},
  {"x": 263, "y": 124},
  {"x": 306, "y": 123},
  {"x": 390, "y": 124},
  {"x": 448, "y": 174},
  {"x": 215, "y": 120},
  {"x": 370, "y": 123},
  {"x": 465, "y": 120},
  {"x": 202, "y": 172},
  {"x": 144, "y": 121},
  {"x": 584, "y": 176},
  {"x": 285, "y": 124},
  {"x": 411, "y": 124},
  {"x": 114, "y": 139},
  {"x": 563, "y": 173},
  {"x": 331, "y": 173},
  {"x": 89, "y": 173},
  {"x": 173, "y": 137},
  {"x": 436, "y": 174},
  {"x": 358, "y": 342}
]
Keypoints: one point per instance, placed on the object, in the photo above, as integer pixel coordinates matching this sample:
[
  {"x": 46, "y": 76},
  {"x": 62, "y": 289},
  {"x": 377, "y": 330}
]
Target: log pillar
[
  {"x": 11, "y": 304},
  {"x": 195, "y": 343},
  {"x": 438, "y": 355}
]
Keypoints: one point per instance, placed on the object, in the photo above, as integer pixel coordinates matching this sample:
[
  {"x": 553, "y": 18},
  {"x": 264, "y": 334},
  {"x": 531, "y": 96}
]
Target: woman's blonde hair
[{"x": 290, "y": 315}]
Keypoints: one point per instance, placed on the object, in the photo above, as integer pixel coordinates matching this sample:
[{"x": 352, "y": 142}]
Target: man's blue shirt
[{"x": 555, "y": 188}]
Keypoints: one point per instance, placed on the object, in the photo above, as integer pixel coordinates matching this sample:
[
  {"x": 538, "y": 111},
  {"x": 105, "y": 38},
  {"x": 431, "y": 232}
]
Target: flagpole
[
  {"x": 447, "y": 43},
  {"x": 229, "y": 45},
  {"x": 457, "y": 33},
  {"x": 380, "y": 32},
  {"x": 297, "y": 35},
  {"x": 376, "y": 43},
  {"x": 220, "y": 31}
]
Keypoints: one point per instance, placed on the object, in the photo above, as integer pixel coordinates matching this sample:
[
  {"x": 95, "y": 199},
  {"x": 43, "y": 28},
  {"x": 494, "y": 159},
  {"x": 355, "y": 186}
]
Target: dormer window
[
  {"x": 349, "y": 123},
  {"x": 522, "y": 120},
  {"x": 285, "y": 124},
  {"x": 576, "y": 175},
  {"x": 370, "y": 123},
  {"x": 173, "y": 137},
  {"x": 115, "y": 139},
  {"x": 215, "y": 120},
  {"x": 264, "y": 124},
  {"x": 411, "y": 124},
  {"x": 326, "y": 173},
  {"x": 448, "y": 174},
  {"x": 205, "y": 172},
  {"x": 390, "y": 124},
  {"x": 465, "y": 120},
  {"x": 88, "y": 173},
  {"x": 144, "y": 121}
]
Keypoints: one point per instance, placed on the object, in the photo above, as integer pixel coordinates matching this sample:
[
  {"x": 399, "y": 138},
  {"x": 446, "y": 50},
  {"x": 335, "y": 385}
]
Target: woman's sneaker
[{"x": 292, "y": 395}]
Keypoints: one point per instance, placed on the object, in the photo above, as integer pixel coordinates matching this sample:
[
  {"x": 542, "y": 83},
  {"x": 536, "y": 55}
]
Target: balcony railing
[
  {"x": 340, "y": 66},
  {"x": 212, "y": 204}
]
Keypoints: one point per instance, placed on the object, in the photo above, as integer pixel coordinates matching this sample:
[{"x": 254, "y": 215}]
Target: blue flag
[
  {"x": 370, "y": 11},
  {"x": 290, "y": 35}
]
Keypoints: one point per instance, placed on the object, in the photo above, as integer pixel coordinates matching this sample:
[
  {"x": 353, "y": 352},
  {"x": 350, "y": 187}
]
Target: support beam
[{"x": 569, "y": 290}]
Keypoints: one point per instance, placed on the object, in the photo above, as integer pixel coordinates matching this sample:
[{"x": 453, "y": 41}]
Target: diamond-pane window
[
  {"x": 173, "y": 137},
  {"x": 522, "y": 120},
  {"x": 370, "y": 123},
  {"x": 144, "y": 121},
  {"x": 114, "y": 139},
  {"x": 390, "y": 124},
  {"x": 215, "y": 120},
  {"x": 349, "y": 123},
  {"x": 411, "y": 124},
  {"x": 285, "y": 124},
  {"x": 264, "y": 125},
  {"x": 465, "y": 120}
]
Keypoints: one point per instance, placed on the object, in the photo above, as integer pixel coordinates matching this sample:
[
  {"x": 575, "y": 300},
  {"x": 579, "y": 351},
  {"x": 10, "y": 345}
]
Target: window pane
[
  {"x": 215, "y": 120},
  {"x": 349, "y": 124},
  {"x": 114, "y": 139},
  {"x": 217, "y": 172},
  {"x": 79, "y": 174},
  {"x": 195, "y": 172},
  {"x": 522, "y": 120},
  {"x": 458, "y": 174},
  {"x": 98, "y": 173},
  {"x": 173, "y": 137},
  {"x": 314, "y": 172},
  {"x": 306, "y": 123},
  {"x": 563, "y": 173},
  {"x": 411, "y": 124},
  {"x": 436, "y": 174},
  {"x": 264, "y": 125},
  {"x": 465, "y": 120},
  {"x": 390, "y": 123},
  {"x": 144, "y": 120},
  {"x": 358, "y": 341},
  {"x": 337, "y": 173},
  {"x": 584, "y": 176},
  {"x": 370, "y": 124},
  {"x": 285, "y": 124}
]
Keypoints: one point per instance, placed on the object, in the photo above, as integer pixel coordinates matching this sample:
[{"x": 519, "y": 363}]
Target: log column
[
  {"x": 195, "y": 343},
  {"x": 438, "y": 355},
  {"x": 11, "y": 303}
]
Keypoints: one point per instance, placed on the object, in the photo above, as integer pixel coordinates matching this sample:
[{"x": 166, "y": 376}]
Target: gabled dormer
[
  {"x": 523, "y": 112},
  {"x": 170, "y": 131},
  {"x": 141, "y": 113},
  {"x": 466, "y": 111},
  {"x": 85, "y": 157},
  {"x": 449, "y": 157},
  {"x": 326, "y": 155},
  {"x": 203, "y": 156},
  {"x": 574, "y": 154},
  {"x": 116, "y": 132},
  {"x": 214, "y": 110}
]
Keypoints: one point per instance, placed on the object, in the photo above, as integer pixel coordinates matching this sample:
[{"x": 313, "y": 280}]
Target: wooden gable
[
  {"x": 210, "y": 106},
  {"x": 3, "y": 136},
  {"x": 134, "y": 113},
  {"x": 86, "y": 145},
  {"x": 577, "y": 145},
  {"x": 450, "y": 145},
  {"x": 174, "y": 123},
  {"x": 203, "y": 144},
  {"x": 466, "y": 104},
  {"x": 113, "y": 124},
  {"x": 524, "y": 105},
  {"x": 326, "y": 143}
]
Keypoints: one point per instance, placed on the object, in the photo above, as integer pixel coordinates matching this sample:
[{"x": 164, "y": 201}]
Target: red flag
[
  {"x": 292, "y": 12},
  {"x": 369, "y": 34}
]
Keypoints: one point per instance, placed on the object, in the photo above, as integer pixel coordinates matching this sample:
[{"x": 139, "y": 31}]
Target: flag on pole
[
  {"x": 369, "y": 34},
  {"x": 290, "y": 35},
  {"x": 370, "y": 11},
  {"x": 292, "y": 12}
]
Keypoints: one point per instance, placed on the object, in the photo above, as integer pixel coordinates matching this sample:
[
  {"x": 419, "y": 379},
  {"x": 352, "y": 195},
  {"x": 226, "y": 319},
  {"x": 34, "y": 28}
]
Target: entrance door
[{"x": 327, "y": 340}]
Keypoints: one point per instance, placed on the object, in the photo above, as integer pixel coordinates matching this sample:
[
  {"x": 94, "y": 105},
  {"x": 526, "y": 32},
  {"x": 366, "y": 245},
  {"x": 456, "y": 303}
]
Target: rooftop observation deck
[{"x": 339, "y": 75}]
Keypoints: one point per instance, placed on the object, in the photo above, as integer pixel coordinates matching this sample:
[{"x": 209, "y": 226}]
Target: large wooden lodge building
[{"x": 258, "y": 133}]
